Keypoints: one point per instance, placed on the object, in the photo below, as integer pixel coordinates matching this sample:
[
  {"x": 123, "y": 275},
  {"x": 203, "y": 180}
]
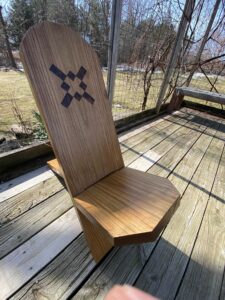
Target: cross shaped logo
[{"x": 67, "y": 87}]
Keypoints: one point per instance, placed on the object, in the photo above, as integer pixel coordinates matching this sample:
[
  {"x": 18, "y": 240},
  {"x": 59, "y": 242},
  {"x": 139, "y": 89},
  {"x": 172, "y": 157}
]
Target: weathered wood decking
[{"x": 43, "y": 253}]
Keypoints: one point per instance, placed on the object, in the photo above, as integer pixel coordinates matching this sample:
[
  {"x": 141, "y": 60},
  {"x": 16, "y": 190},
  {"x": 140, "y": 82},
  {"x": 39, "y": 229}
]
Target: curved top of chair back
[{"x": 67, "y": 83}]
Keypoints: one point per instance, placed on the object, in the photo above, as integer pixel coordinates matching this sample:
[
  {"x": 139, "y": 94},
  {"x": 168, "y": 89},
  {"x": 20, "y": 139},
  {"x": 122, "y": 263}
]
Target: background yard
[
  {"x": 128, "y": 95},
  {"x": 15, "y": 89},
  {"x": 148, "y": 32}
]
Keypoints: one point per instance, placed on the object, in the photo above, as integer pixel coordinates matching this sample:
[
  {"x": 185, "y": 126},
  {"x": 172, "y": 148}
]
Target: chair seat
[
  {"x": 55, "y": 167},
  {"x": 129, "y": 205}
]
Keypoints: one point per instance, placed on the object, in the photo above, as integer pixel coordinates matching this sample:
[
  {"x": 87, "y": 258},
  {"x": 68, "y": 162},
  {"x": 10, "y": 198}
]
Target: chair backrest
[{"x": 67, "y": 83}]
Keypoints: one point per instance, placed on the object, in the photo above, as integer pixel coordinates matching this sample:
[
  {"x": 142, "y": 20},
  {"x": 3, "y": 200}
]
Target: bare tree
[
  {"x": 211, "y": 50},
  {"x": 8, "y": 47},
  {"x": 154, "y": 35}
]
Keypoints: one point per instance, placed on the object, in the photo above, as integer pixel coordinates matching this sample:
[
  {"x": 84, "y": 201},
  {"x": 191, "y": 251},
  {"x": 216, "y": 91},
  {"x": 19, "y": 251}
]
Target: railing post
[
  {"x": 204, "y": 41},
  {"x": 185, "y": 19},
  {"x": 113, "y": 46}
]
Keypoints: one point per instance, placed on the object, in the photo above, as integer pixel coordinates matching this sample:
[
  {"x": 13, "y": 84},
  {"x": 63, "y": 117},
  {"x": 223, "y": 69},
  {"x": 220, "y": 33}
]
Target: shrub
[{"x": 39, "y": 130}]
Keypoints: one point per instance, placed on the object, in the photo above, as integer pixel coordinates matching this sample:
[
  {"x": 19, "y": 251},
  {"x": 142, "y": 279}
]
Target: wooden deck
[{"x": 43, "y": 251}]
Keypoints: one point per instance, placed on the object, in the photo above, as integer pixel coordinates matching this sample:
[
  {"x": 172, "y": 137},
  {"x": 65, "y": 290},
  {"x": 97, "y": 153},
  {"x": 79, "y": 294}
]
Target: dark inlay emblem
[{"x": 67, "y": 87}]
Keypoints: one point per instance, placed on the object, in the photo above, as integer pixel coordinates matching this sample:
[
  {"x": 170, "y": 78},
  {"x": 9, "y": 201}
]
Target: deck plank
[
  {"x": 19, "y": 204},
  {"x": 120, "y": 267},
  {"x": 28, "y": 259},
  {"x": 168, "y": 162},
  {"x": 138, "y": 138},
  {"x": 204, "y": 275},
  {"x": 164, "y": 271},
  {"x": 183, "y": 171},
  {"x": 183, "y": 139},
  {"x": 30, "y": 223},
  {"x": 24, "y": 182},
  {"x": 142, "y": 127},
  {"x": 61, "y": 277},
  {"x": 150, "y": 142},
  {"x": 137, "y": 130}
]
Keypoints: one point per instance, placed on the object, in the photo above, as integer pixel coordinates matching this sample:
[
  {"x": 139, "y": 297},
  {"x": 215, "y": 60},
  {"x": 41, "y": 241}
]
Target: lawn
[
  {"x": 129, "y": 93},
  {"x": 128, "y": 96},
  {"x": 14, "y": 88}
]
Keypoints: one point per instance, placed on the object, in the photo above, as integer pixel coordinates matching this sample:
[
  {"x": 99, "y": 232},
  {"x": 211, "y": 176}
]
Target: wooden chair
[{"x": 115, "y": 205}]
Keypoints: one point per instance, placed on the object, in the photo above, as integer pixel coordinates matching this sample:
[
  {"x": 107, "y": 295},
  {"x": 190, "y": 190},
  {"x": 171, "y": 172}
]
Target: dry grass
[
  {"x": 14, "y": 87},
  {"x": 127, "y": 98},
  {"x": 129, "y": 92}
]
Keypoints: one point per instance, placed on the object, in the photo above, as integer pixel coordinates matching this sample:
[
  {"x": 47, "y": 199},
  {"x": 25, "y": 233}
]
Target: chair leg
[{"x": 98, "y": 241}]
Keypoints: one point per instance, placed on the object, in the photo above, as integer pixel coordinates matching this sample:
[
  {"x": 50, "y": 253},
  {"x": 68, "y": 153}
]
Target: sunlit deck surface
[{"x": 43, "y": 251}]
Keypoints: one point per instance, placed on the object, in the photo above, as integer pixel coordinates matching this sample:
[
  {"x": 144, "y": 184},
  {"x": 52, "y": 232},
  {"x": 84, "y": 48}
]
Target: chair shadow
[{"x": 158, "y": 268}]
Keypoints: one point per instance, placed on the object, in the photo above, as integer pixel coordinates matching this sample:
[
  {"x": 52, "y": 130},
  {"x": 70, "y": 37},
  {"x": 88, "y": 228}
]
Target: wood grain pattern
[
  {"x": 120, "y": 267},
  {"x": 176, "y": 248},
  {"x": 28, "y": 259},
  {"x": 183, "y": 171},
  {"x": 201, "y": 94},
  {"x": 62, "y": 276},
  {"x": 150, "y": 132},
  {"x": 149, "y": 158},
  {"x": 25, "y": 226},
  {"x": 55, "y": 167},
  {"x": 17, "y": 185},
  {"x": 168, "y": 162},
  {"x": 97, "y": 239},
  {"x": 133, "y": 140},
  {"x": 130, "y": 205},
  {"x": 207, "y": 263},
  {"x": 140, "y": 128},
  {"x": 82, "y": 135},
  {"x": 24, "y": 201},
  {"x": 150, "y": 142}
]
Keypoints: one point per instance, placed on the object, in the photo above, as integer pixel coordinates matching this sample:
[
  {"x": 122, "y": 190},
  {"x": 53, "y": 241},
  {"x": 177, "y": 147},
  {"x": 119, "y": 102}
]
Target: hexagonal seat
[{"x": 129, "y": 206}]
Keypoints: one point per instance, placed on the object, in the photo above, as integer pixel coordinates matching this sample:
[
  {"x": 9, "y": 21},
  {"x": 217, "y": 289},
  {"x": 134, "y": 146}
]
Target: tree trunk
[
  {"x": 9, "y": 50},
  {"x": 145, "y": 98}
]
